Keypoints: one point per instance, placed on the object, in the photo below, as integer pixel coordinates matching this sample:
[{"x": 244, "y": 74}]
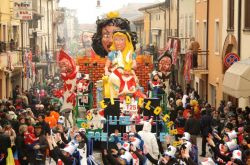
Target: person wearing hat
[
  {"x": 222, "y": 152},
  {"x": 66, "y": 154},
  {"x": 37, "y": 154},
  {"x": 168, "y": 157},
  {"x": 185, "y": 157},
  {"x": 236, "y": 158},
  {"x": 149, "y": 140},
  {"x": 208, "y": 161},
  {"x": 155, "y": 85},
  {"x": 122, "y": 155}
]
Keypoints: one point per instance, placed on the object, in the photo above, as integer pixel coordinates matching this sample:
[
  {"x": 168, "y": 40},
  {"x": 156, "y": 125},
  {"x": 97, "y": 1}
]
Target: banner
[
  {"x": 28, "y": 67},
  {"x": 23, "y": 10},
  {"x": 187, "y": 66},
  {"x": 175, "y": 51}
]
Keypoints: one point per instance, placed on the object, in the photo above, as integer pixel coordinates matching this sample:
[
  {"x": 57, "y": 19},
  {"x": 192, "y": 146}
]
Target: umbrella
[{"x": 237, "y": 79}]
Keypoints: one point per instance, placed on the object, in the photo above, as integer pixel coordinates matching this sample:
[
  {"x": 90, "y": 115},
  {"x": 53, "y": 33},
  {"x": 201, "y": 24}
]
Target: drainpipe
[
  {"x": 207, "y": 48},
  {"x": 239, "y": 28},
  {"x": 177, "y": 30},
  {"x": 169, "y": 22},
  {"x": 48, "y": 24}
]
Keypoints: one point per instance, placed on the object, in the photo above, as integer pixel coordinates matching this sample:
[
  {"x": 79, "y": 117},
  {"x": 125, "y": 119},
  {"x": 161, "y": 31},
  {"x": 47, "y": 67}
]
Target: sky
[{"x": 87, "y": 11}]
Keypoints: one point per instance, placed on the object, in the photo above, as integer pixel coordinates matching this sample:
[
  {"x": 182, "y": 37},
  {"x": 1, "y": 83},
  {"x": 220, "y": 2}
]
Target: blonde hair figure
[{"x": 122, "y": 62}]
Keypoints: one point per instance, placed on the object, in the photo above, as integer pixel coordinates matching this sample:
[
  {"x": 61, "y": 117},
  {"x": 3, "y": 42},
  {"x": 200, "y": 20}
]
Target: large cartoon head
[
  {"x": 102, "y": 39},
  {"x": 67, "y": 65},
  {"x": 165, "y": 62}
]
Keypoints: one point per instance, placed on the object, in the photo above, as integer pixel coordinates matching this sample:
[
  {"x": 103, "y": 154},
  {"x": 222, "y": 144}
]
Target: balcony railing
[
  {"x": 200, "y": 62},
  {"x": 8, "y": 46}
]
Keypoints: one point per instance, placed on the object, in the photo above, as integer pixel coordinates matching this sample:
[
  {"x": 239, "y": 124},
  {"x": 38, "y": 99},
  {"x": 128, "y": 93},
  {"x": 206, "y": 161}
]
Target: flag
[
  {"x": 175, "y": 51},
  {"x": 187, "y": 66},
  {"x": 169, "y": 44}
]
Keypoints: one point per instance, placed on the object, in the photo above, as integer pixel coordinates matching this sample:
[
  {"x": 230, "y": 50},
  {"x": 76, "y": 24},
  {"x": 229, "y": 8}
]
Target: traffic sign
[{"x": 230, "y": 59}]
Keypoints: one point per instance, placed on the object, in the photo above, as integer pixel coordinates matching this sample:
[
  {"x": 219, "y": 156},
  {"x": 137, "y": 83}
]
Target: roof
[
  {"x": 137, "y": 19},
  {"x": 162, "y": 4}
]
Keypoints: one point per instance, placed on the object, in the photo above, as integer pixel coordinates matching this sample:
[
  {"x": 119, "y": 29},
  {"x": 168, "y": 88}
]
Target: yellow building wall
[
  {"x": 5, "y": 16},
  {"x": 215, "y": 59},
  {"x": 147, "y": 28},
  {"x": 6, "y": 19},
  {"x": 201, "y": 16}
]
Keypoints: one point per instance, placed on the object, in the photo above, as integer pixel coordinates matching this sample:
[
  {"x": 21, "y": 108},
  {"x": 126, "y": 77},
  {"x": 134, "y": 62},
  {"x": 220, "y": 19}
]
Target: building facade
[
  {"x": 215, "y": 75},
  {"x": 21, "y": 37},
  {"x": 10, "y": 43},
  {"x": 235, "y": 38},
  {"x": 155, "y": 24}
]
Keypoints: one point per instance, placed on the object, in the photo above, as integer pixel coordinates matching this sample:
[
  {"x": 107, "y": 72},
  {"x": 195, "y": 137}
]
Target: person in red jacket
[{"x": 29, "y": 136}]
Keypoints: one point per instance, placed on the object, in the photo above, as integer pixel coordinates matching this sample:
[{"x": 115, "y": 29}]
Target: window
[
  {"x": 197, "y": 31},
  {"x": 247, "y": 14},
  {"x": 204, "y": 42},
  {"x": 0, "y": 32},
  {"x": 191, "y": 25},
  {"x": 216, "y": 37},
  {"x": 4, "y": 33},
  {"x": 230, "y": 15},
  {"x": 186, "y": 24}
]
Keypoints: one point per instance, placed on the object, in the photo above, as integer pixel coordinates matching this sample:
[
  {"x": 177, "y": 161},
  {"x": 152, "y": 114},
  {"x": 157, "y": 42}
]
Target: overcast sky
[{"x": 87, "y": 11}]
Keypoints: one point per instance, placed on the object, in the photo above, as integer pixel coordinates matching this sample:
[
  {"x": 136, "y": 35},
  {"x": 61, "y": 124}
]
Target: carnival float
[{"x": 120, "y": 91}]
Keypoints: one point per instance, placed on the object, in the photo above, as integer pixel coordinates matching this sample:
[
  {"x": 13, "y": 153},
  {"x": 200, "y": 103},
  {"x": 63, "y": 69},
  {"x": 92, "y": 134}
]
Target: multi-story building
[
  {"x": 215, "y": 75},
  {"x": 139, "y": 29},
  {"x": 10, "y": 55},
  {"x": 155, "y": 24},
  {"x": 43, "y": 38},
  {"x": 186, "y": 28},
  {"x": 19, "y": 35},
  {"x": 235, "y": 39},
  {"x": 68, "y": 30},
  {"x": 200, "y": 73}
]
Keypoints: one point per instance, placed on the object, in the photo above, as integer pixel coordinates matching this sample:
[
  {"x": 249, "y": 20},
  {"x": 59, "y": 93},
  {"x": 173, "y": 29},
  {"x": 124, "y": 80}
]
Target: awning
[{"x": 237, "y": 79}]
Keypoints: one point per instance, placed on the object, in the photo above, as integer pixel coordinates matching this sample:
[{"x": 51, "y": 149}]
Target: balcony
[
  {"x": 202, "y": 63},
  {"x": 8, "y": 46},
  {"x": 9, "y": 59}
]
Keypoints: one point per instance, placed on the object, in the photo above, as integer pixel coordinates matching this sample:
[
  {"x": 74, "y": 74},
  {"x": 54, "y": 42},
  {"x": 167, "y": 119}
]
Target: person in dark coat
[
  {"x": 5, "y": 144},
  {"x": 66, "y": 155},
  {"x": 206, "y": 129},
  {"x": 21, "y": 147},
  {"x": 192, "y": 126},
  {"x": 45, "y": 126},
  {"x": 37, "y": 155}
]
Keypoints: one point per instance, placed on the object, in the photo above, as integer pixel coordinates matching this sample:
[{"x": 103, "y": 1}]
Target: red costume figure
[{"x": 29, "y": 136}]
